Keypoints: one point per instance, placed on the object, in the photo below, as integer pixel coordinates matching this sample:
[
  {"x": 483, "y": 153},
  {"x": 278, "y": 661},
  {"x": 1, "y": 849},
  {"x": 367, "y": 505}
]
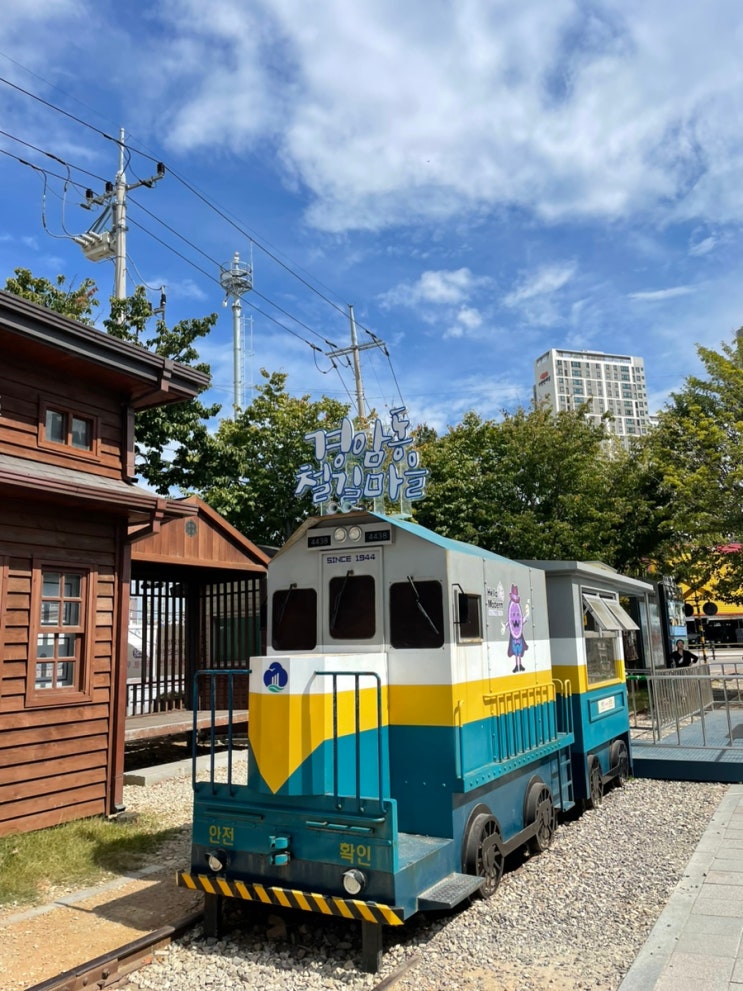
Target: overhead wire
[
  {"x": 214, "y": 279},
  {"x": 216, "y": 264},
  {"x": 191, "y": 188},
  {"x": 49, "y": 154},
  {"x": 212, "y": 206},
  {"x": 45, "y": 173}
]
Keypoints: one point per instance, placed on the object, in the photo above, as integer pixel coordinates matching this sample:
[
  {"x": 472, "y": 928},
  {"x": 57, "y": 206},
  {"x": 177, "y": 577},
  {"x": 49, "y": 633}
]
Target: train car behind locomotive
[{"x": 406, "y": 730}]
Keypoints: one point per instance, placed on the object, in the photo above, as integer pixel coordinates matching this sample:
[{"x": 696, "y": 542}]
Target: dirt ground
[
  {"x": 38, "y": 944},
  {"x": 75, "y": 926}
]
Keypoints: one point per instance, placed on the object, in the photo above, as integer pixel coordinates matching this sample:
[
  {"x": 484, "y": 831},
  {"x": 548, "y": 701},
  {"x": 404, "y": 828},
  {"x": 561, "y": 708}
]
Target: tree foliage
[
  {"x": 696, "y": 455},
  {"x": 536, "y": 486},
  {"x": 250, "y": 474},
  {"x": 78, "y": 303},
  {"x": 169, "y": 440}
]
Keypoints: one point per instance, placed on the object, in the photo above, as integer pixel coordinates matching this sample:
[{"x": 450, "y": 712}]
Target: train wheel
[
  {"x": 483, "y": 852},
  {"x": 540, "y": 810},
  {"x": 595, "y": 785},
  {"x": 619, "y": 759}
]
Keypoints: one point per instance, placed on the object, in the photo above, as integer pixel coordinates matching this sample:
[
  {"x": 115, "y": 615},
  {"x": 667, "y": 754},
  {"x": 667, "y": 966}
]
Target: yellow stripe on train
[
  {"x": 312, "y": 720},
  {"x": 347, "y": 908}
]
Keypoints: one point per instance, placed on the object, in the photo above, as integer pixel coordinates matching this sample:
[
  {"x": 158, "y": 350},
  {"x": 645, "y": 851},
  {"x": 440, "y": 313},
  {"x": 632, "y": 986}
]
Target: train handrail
[
  {"x": 357, "y": 675},
  {"x": 527, "y": 728},
  {"x": 563, "y": 707},
  {"x": 212, "y": 673}
]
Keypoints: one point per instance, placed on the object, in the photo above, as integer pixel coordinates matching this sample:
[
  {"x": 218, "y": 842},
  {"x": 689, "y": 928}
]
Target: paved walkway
[{"x": 697, "y": 943}]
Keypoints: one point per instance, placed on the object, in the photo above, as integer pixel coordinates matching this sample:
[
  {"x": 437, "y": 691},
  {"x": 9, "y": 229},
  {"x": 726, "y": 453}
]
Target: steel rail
[{"x": 112, "y": 967}]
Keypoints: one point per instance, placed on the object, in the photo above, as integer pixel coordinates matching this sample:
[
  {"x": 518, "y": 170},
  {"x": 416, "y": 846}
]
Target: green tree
[
  {"x": 250, "y": 474},
  {"x": 76, "y": 302},
  {"x": 535, "y": 486},
  {"x": 170, "y": 441},
  {"x": 696, "y": 453}
]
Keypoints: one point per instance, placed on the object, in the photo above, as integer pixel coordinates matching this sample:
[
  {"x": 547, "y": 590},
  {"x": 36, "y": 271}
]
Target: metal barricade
[{"x": 699, "y": 706}]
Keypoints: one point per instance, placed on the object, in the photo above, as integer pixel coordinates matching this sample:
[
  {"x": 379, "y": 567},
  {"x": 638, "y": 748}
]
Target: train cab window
[
  {"x": 469, "y": 622},
  {"x": 351, "y": 604},
  {"x": 416, "y": 614},
  {"x": 294, "y": 619},
  {"x": 604, "y": 620}
]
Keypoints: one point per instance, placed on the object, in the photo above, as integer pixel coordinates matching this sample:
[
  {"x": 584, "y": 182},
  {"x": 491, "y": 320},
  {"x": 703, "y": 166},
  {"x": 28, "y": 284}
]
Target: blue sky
[{"x": 481, "y": 179}]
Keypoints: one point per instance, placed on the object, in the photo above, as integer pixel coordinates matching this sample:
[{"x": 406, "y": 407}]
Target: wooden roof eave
[
  {"x": 149, "y": 379},
  {"x": 247, "y": 556},
  {"x": 21, "y": 478}
]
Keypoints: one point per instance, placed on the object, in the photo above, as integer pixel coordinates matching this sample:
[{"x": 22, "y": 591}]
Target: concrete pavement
[{"x": 697, "y": 943}]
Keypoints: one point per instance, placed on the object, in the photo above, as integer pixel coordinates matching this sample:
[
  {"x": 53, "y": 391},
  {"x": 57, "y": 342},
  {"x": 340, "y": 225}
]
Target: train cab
[{"x": 409, "y": 727}]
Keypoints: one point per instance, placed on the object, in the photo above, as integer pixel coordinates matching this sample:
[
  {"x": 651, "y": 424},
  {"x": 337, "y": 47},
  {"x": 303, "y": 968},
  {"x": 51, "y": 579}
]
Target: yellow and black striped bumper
[{"x": 345, "y": 908}]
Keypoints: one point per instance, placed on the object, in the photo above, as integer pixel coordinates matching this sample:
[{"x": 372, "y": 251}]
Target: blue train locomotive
[{"x": 408, "y": 727}]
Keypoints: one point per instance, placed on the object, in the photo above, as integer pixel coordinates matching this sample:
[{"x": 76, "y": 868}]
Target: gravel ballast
[{"x": 570, "y": 919}]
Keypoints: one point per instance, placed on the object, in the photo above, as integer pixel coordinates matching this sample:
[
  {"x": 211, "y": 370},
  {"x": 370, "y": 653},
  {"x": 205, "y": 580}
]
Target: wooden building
[
  {"x": 197, "y": 601},
  {"x": 68, "y": 397}
]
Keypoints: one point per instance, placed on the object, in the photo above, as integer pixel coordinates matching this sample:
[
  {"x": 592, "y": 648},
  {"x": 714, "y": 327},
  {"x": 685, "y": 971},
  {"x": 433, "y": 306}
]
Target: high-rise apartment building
[{"x": 613, "y": 383}]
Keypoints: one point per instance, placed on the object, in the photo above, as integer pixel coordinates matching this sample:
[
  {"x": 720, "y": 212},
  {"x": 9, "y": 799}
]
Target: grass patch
[{"x": 33, "y": 866}]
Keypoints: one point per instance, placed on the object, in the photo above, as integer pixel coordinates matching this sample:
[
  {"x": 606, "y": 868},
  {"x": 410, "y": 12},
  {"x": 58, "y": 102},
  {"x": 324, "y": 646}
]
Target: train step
[{"x": 449, "y": 891}]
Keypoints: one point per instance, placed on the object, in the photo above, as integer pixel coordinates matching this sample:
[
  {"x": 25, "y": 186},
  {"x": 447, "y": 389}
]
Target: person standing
[{"x": 682, "y": 658}]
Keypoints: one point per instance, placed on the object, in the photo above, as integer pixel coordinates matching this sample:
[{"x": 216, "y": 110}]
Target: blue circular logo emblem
[{"x": 275, "y": 678}]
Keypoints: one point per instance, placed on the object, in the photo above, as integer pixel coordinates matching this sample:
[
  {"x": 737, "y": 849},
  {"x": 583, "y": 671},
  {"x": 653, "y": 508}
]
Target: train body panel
[
  {"x": 420, "y": 713},
  {"x": 588, "y": 625}
]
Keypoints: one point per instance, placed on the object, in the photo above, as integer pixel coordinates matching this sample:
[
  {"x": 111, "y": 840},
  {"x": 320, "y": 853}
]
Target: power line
[
  {"x": 52, "y": 106},
  {"x": 207, "y": 202},
  {"x": 208, "y": 257},
  {"x": 192, "y": 189},
  {"x": 49, "y": 154},
  {"x": 214, "y": 279}
]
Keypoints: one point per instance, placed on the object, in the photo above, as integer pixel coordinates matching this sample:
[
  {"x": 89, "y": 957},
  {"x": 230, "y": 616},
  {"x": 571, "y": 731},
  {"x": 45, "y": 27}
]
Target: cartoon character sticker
[{"x": 517, "y": 645}]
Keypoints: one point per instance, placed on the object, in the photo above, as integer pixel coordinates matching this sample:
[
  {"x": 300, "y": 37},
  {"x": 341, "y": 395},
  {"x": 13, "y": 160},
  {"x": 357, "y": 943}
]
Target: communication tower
[{"x": 236, "y": 280}]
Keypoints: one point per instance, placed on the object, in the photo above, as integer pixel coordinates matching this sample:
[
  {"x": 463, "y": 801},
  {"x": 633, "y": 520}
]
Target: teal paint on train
[{"x": 596, "y": 726}]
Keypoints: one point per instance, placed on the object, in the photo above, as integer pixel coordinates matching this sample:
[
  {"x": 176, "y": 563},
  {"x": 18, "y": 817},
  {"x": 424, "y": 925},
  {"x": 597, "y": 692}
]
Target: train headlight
[
  {"x": 340, "y": 534},
  {"x": 217, "y": 860},
  {"x": 354, "y": 882},
  {"x": 355, "y": 533}
]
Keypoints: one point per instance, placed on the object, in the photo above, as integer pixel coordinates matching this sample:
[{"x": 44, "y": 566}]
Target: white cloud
[
  {"x": 183, "y": 289},
  {"x": 658, "y": 295},
  {"x": 547, "y": 280},
  {"x": 703, "y": 247},
  {"x": 469, "y": 317},
  {"x": 441, "y": 287},
  {"x": 385, "y": 114},
  {"x": 466, "y": 322}
]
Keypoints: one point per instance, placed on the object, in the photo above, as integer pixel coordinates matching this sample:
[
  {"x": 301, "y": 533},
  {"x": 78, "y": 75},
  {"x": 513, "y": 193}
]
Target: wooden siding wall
[
  {"x": 53, "y": 759},
  {"x": 26, "y": 387}
]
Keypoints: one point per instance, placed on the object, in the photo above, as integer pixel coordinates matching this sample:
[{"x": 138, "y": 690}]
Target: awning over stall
[{"x": 608, "y": 613}]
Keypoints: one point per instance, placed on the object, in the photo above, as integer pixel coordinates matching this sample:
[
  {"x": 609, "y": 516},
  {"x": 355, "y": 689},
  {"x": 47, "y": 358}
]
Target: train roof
[
  {"x": 421, "y": 532},
  {"x": 596, "y": 571}
]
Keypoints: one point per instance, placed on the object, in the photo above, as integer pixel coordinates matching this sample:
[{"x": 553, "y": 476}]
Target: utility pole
[
  {"x": 98, "y": 244},
  {"x": 354, "y": 352}
]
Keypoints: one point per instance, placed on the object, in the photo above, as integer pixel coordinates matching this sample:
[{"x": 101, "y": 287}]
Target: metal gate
[{"x": 178, "y": 627}]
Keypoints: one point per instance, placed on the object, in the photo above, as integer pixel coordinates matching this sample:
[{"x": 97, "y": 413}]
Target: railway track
[{"x": 109, "y": 969}]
